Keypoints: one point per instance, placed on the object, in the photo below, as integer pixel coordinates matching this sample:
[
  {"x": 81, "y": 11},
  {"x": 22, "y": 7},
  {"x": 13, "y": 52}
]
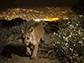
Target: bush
[{"x": 69, "y": 42}]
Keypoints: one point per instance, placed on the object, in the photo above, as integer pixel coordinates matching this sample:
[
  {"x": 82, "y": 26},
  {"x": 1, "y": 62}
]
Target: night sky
[{"x": 38, "y": 3}]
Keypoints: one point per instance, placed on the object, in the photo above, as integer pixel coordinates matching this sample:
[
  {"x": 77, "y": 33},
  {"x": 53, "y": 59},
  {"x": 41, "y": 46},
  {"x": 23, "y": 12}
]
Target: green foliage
[{"x": 69, "y": 42}]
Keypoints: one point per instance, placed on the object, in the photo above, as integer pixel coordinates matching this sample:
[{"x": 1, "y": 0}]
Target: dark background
[
  {"x": 76, "y": 5},
  {"x": 38, "y": 3}
]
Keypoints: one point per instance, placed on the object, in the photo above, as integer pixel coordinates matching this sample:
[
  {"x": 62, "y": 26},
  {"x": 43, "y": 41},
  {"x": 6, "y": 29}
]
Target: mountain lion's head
[{"x": 27, "y": 37}]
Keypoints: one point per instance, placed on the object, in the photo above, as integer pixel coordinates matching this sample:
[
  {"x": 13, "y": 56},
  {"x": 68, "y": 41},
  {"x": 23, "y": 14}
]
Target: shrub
[{"x": 69, "y": 42}]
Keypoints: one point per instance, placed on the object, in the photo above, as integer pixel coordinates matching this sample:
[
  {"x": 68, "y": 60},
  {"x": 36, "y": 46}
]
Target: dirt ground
[{"x": 14, "y": 52}]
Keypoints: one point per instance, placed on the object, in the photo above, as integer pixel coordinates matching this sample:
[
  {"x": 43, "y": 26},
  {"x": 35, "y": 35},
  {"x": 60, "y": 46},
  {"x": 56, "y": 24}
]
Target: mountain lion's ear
[
  {"x": 31, "y": 30},
  {"x": 22, "y": 31}
]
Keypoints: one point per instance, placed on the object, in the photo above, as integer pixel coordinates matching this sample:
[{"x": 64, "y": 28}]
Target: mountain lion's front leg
[
  {"x": 35, "y": 51},
  {"x": 28, "y": 50}
]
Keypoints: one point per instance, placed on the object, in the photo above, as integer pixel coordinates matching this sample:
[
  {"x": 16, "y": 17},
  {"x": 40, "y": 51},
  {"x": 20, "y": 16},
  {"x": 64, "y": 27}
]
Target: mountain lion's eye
[{"x": 27, "y": 37}]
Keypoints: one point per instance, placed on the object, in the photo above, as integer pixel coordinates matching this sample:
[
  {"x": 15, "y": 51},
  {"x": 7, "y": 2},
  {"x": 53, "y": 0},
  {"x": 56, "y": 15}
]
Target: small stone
[{"x": 20, "y": 40}]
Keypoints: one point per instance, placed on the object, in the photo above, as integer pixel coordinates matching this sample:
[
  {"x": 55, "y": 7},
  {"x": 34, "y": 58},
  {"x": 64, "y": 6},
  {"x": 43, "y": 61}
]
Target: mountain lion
[{"x": 33, "y": 36}]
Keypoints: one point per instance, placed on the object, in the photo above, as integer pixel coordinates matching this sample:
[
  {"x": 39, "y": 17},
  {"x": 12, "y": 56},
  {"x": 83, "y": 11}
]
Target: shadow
[
  {"x": 51, "y": 26},
  {"x": 13, "y": 22},
  {"x": 13, "y": 49}
]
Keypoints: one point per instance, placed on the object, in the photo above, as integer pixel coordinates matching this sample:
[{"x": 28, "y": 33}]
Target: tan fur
[{"x": 33, "y": 36}]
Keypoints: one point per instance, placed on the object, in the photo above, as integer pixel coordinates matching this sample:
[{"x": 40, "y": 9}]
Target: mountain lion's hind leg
[{"x": 43, "y": 37}]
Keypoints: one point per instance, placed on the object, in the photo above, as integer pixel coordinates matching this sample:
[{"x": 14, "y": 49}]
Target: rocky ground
[{"x": 14, "y": 52}]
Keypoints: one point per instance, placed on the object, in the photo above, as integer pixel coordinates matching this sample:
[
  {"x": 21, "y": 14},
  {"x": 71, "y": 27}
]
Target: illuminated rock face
[{"x": 50, "y": 14}]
